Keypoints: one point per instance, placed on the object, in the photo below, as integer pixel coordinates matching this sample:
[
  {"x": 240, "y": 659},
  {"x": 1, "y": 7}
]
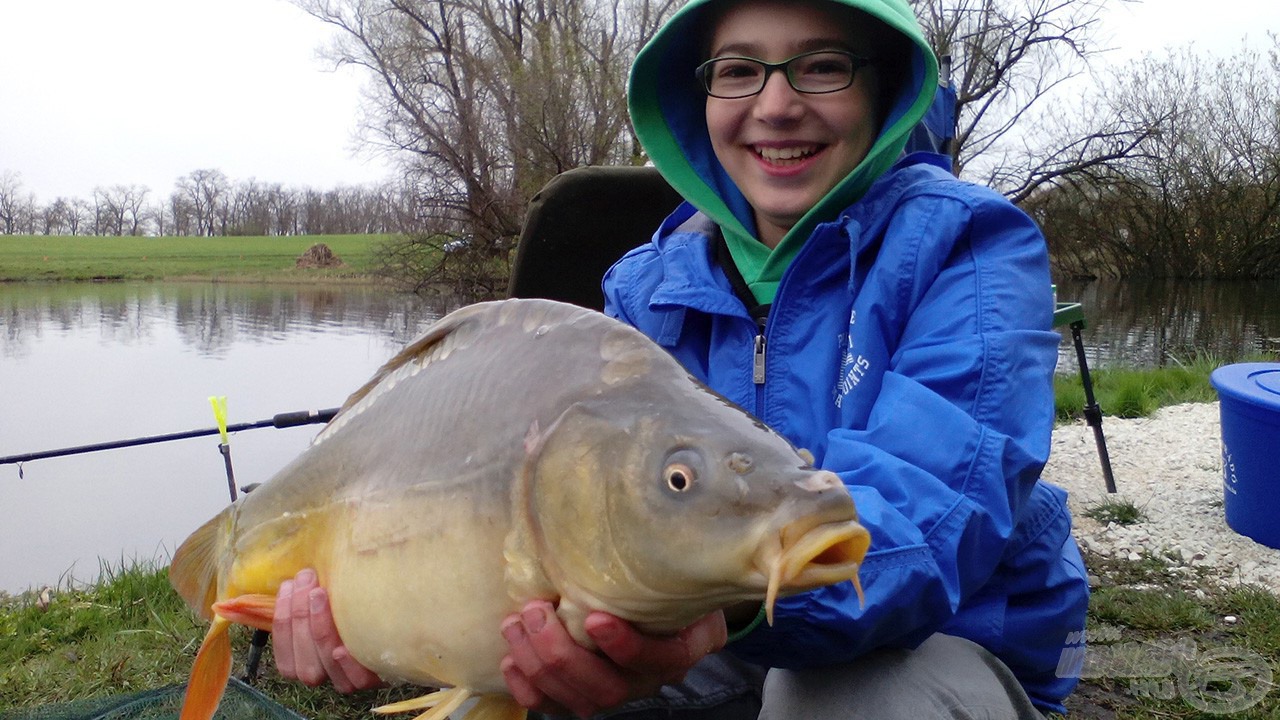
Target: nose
[
  {"x": 819, "y": 481},
  {"x": 778, "y": 102}
]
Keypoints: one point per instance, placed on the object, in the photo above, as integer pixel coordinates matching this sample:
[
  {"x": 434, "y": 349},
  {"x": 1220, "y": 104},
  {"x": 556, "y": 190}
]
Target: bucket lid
[{"x": 1256, "y": 383}]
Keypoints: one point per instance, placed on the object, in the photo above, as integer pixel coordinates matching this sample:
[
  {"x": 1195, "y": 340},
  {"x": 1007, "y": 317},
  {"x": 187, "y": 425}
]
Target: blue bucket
[{"x": 1249, "y": 394}]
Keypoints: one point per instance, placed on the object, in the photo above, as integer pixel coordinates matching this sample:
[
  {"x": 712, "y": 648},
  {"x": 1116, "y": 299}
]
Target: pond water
[
  {"x": 83, "y": 364},
  {"x": 86, "y": 363},
  {"x": 1154, "y": 323}
]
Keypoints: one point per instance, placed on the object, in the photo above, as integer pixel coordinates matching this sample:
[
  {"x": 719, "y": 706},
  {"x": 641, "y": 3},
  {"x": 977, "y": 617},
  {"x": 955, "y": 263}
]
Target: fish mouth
[{"x": 810, "y": 556}]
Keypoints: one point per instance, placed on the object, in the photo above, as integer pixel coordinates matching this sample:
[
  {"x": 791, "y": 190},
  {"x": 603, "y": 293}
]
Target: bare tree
[
  {"x": 1025, "y": 114},
  {"x": 181, "y": 213},
  {"x": 161, "y": 218},
  {"x": 118, "y": 209},
  {"x": 81, "y": 216},
  {"x": 1202, "y": 199},
  {"x": 10, "y": 201},
  {"x": 57, "y": 217},
  {"x": 108, "y": 213},
  {"x": 483, "y": 101},
  {"x": 203, "y": 194},
  {"x": 133, "y": 199},
  {"x": 282, "y": 205}
]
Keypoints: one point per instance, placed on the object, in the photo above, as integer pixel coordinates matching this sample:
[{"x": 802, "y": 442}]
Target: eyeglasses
[{"x": 814, "y": 73}]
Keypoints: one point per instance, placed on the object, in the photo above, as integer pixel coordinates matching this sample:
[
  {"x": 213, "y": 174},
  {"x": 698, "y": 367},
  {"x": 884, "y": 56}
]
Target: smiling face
[{"x": 784, "y": 149}]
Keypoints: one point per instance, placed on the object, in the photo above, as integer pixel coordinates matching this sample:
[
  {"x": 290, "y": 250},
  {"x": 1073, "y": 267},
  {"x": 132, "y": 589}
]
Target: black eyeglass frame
[{"x": 858, "y": 62}]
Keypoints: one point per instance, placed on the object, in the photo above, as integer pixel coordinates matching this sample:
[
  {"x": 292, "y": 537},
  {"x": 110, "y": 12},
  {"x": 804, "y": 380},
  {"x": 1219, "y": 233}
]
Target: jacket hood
[{"x": 668, "y": 111}]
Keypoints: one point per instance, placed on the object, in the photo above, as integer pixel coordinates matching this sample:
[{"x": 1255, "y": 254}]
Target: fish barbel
[{"x": 518, "y": 450}]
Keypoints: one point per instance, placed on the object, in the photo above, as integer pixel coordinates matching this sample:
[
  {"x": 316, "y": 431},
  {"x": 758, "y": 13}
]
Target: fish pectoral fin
[
  {"x": 254, "y": 610},
  {"x": 438, "y": 704},
  {"x": 209, "y": 673},
  {"x": 497, "y": 707}
]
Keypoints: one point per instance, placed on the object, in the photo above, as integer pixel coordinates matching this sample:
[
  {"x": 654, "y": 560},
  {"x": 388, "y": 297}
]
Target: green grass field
[
  {"x": 272, "y": 258},
  {"x": 126, "y": 633}
]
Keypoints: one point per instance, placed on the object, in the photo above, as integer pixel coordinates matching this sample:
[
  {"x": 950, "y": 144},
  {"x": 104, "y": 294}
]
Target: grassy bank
[
  {"x": 127, "y": 633},
  {"x": 1131, "y": 392},
  {"x": 266, "y": 259}
]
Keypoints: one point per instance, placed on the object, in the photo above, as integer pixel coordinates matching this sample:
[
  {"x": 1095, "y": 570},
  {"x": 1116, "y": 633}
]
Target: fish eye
[{"x": 679, "y": 477}]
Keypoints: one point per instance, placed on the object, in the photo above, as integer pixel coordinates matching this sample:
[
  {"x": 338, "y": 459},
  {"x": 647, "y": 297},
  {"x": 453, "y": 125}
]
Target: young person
[{"x": 875, "y": 310}]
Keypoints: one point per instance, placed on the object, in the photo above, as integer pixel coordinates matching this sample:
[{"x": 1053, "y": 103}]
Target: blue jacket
[{"x": 909, "y": 349}]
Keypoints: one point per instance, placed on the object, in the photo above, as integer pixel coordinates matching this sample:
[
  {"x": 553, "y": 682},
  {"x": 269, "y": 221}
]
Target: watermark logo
[
  {"x": 1217, "y": 681},
  {"x": 1230, "y": 482}
]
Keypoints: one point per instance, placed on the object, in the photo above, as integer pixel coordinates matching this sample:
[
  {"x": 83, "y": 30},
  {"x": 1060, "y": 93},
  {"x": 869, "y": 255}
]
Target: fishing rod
[{"x": 280, "y": 420}]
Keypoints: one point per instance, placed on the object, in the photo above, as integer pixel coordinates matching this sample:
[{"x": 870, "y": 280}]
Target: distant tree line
[{"x": 203, "y": 203}]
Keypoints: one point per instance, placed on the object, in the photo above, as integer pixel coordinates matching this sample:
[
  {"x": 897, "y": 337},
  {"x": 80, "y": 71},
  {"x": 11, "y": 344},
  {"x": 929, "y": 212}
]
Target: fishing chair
[{"x": 580, "y": 224}]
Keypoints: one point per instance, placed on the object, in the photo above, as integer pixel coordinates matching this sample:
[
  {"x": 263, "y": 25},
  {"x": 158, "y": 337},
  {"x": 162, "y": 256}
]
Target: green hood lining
[{"x": 668, "y": 112}]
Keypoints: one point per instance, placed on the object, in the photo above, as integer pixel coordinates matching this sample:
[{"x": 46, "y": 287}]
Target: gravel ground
[{"x": 1170, "y": 467}]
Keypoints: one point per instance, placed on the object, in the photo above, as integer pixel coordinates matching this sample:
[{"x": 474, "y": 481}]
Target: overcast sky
[{"x": 98, "y": 93}]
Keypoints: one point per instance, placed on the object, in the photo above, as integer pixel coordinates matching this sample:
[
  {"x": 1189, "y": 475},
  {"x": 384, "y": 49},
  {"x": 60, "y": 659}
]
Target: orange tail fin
[{"x": 209, "y": 674}]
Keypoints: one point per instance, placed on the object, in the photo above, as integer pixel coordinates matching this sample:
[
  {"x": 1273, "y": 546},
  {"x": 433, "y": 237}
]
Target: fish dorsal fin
[
  {"x": 436, "y": 343},
  {"x": 453, "y": 332}
]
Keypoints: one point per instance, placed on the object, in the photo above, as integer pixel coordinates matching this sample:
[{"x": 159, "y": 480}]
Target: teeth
[{"x": 789, "y": 153}]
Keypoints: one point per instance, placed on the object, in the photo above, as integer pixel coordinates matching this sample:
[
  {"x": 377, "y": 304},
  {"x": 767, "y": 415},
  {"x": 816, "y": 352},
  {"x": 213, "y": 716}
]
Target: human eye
[
  {"x": 736, "y": 68},
  {"x": 821, "y": 72},
  {"x": 734, "y": 77},
  {"x": 824, "y": 65}
]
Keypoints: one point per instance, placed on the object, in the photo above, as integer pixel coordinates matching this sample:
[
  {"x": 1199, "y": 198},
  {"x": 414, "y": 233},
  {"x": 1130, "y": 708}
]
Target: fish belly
[{"x": 418, "y": 593}]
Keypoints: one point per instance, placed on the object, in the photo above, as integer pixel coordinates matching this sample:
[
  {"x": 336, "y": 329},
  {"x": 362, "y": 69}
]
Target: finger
[
  {"x": 306, "y": 661},
  {"x": 708, "y": 635},
  {"x": 667, "y": 658},
  {"x": 563, "y": 671},
  {"x": 525, "y": 692},
  {"x": 344, "y": 671},
  {"x": 282, "y": 631},
  {"x": 325, "y": 635},
  {"x": 362, "y": 678}
]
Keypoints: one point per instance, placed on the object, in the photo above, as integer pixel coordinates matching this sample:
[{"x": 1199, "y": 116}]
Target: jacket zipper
[
  {"x": 757, "y": 363},
  {"x": 758, "y": 359}
]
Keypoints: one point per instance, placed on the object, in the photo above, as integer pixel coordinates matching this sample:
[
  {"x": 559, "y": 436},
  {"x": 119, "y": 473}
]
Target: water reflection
[
  {"x": 86, "y": 363},
  {"x": 1154, "y": 323},
  {"x": 208, "y": 318}
]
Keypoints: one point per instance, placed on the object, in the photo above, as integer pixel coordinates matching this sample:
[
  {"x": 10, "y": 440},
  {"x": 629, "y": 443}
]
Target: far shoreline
[{"x": 254, "y": 259}]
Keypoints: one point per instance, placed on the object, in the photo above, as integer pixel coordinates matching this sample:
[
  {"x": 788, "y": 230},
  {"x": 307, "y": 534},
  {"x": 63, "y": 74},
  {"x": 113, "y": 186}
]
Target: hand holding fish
[
  {"x": 548, "y": 671},
  {"x": 305, "y": 640}
]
